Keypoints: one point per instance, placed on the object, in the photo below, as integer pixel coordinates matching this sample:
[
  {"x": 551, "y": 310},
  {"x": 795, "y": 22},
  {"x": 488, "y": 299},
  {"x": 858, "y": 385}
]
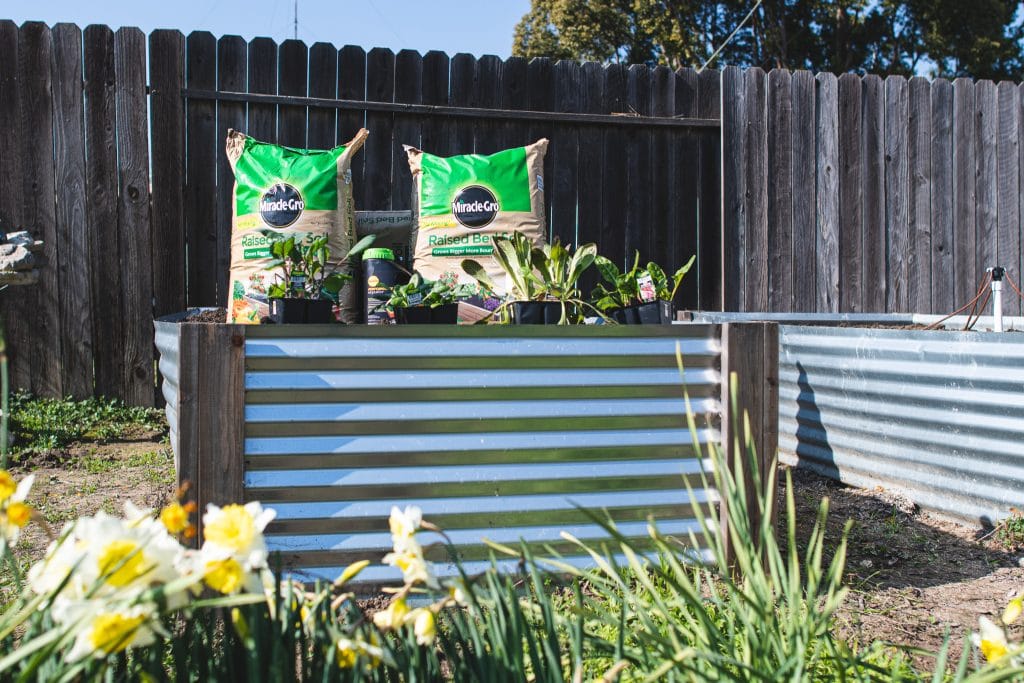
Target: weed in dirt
[
  {"x": 1010, "y": 532},
  {"x": 43, "y": 424}
]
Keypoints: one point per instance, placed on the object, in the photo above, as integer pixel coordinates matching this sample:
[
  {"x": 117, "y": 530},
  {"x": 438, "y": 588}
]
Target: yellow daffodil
[
  {"x": 348, "y": 652},
  {"x": 226, "y": 575},
  {"x": 424, "y": 625},
  {"x": 1013, "y": 609},
  {"x": 404, "y": 523},
  {"x": 108, "y": 631},
  {"x": 14, "y": 513},
  {"x": 175, "y": 518},
  {"x": 7, "y": 485},
  {"x": 991, "y": 641},
  {"x": 237, "y": 531},
  {"x": 393, "y": 616}
]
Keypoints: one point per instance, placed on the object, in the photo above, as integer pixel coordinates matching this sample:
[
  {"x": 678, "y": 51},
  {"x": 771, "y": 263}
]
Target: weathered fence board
[{"x": 850, "y": 194}]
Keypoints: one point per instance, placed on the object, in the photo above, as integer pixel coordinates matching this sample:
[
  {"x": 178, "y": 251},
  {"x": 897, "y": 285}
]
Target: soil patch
[
  {"x": 912, "y": 575},
  {"x": 211, "y": 315}
]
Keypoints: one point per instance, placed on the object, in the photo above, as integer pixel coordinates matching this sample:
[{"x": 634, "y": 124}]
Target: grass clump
[{"x": 45, "y": 424}]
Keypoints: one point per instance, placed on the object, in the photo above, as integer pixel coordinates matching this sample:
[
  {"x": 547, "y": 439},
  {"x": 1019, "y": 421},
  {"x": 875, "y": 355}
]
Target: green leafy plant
[
  {"x": 301, "y": 259},
  {"x": 623, "y": 287},
  {"x": 547, "y": 273},
  {"x": 1010, "y": 531},
  {"x": 419, "y": 291}
]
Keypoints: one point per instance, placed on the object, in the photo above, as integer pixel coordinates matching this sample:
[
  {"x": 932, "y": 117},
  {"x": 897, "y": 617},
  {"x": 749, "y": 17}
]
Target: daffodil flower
[
  {"x": 348, "y": 652},
  {"x": 110, "y": 630},
  {"x": 991, "y": 640},
  {"x": 175, "y": 518},
  {"x": 234, "y": 552},
  {"x": 404, "y": 523},
  {"x": 1013, "y": 609},
  {"x": 14, "y": 512},
  {"x": 424, "y": 625},
  {"x": 393, "y": 616}
]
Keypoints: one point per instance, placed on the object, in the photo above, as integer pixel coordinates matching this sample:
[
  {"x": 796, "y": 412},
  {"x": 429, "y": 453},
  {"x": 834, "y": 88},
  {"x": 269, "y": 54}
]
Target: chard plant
[
  {"x": 623, "y": 288},
  {"x": 547, "y": 273},
  {"x": 301, "y": 259}
]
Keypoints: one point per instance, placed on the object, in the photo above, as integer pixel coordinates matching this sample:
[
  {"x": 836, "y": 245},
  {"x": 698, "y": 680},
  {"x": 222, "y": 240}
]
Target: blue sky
[{"x": 475, "y": 26}]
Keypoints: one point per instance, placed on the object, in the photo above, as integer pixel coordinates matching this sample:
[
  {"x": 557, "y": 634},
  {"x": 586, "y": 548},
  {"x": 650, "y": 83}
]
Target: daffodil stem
[{"x": 4, "y": 399}]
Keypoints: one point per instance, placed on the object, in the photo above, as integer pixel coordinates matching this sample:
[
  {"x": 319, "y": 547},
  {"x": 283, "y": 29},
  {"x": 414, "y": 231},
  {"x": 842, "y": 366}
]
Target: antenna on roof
[{"x": 295, "y": 24}]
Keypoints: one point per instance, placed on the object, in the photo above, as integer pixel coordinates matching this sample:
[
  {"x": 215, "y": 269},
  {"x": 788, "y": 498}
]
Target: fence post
[
  {"x": 750, "y": 351},
  {"x": 211, "y": 406}
]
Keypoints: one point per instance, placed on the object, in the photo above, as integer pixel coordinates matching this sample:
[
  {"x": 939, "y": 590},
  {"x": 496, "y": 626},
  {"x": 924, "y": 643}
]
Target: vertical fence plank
[
  {"x": 804, "y": 190},
  {"x": 514, "y": 95},
  {"x": 101, "y": 209},
  {"x": 591, "y": 181},
  {"x": 232, "y": 69},
  {"x": 780, "y": 191},
  {"x": 1008, "y": 187},
  {"x": 463, "y": 94},
  {"x": 380, "y": 87},
  {"x": 638, "y": 167},
  {"x": 613, "y": 214},
  {"x": 201, "y": 175},
  {"x": 896, "y": 188},
  {"x": 709, "y": 231},
  {"x": 436, "y": 131},
  {"x": 850, "y": 198},
  {"x": 919, "y": 148},
  {"x": 352, "y": 86},
  {"x": 293, "y": 66},
  {"x": 72, "y": 235},
  {"x": 1018, "y": 277},
  {"x": 872, "y": 248},
  {"x": 663, "y": 171},
  {"x": 943, "y": 273},
  {"x": 323, "y": 82},
  {"x": 827, "y": 247},
  {"x": 563, "y": 149},
  {"x": 539, "y": 79},
  {"x": 133, "y": 215},
  {"x": 262, "y": 66},
  {"x": 35, "y": 55},
  {"x": 167, "y": 140},
  {"x": 986, "y": 228},
  {"x": 734, "y": 186},
  {"x": 488, "y": 88},
  {"x": 409, "y": 90},
  {"x": 685, "y": 197},
  {"x": 15, "y": 323},
  {"x": 755, "y": 291},
  {"x": 963, "y": 190}
]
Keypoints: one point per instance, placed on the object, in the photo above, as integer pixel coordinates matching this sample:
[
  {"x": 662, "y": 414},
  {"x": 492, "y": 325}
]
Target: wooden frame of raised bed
[{"x": 497, "y": 431}]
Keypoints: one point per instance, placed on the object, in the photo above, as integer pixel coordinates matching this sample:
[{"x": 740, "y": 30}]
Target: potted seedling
[
  {"x": 542, "y": 280},
  {"x": 636, "y": 296},
  {"x": 422, "y": 301},
  {"x": 307, "y": 288}
]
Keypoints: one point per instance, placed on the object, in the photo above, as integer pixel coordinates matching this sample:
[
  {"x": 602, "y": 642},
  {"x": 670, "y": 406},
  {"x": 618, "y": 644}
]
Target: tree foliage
[{"x": 978, "y": 38}]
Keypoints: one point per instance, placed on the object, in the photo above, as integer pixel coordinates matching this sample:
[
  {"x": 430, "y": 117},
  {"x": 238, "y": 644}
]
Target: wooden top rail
[{"x": 455, "y": 112}]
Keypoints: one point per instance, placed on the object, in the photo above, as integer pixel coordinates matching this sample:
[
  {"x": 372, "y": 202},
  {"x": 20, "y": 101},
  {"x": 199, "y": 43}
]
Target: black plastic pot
[
  {"x": 446, "y": 314},
  {"x": 536, "y": 312},
  {"x": 652, "y": 313},
  {"x": 300, "y": 311}
]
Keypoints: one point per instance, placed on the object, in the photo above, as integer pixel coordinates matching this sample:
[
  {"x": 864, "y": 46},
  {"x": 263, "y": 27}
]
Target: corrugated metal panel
[
  {"x": 167, "y": 344},
  {"x": 936, "y": 416},
  {"x": 496, "y": 433}
]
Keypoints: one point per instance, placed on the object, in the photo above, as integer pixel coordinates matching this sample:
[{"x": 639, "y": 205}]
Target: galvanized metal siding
[
  {"x": 494, "y": 434},
  {"x": 937, "y": 416},
  {"x": 168, "y": 346}
]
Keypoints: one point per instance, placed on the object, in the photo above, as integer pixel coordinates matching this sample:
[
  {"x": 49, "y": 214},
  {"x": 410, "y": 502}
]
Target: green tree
[{"x": 980, "y": 38}]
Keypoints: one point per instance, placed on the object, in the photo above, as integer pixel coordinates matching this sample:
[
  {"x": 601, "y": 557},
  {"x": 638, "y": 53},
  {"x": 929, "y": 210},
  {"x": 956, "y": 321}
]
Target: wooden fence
[
  {"x": 858, "y": 194},
  {"x": 122, "y": 172}
]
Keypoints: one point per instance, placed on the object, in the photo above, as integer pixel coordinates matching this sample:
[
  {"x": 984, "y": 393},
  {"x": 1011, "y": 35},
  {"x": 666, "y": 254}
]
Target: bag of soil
[
  {"x": 463, "y": 202},
  {"x": 288, "y": 191}
]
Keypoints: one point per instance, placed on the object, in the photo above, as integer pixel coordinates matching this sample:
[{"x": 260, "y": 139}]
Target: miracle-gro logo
[
  {"x": 281, "y": 205},
  {"x": 475, "y": 207}
]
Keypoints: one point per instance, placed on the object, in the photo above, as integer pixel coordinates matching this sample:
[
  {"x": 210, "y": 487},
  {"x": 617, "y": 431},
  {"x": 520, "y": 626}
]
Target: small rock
[
  {"x": 867, "y": 564},
  {"x": 1020, "y": 561}
]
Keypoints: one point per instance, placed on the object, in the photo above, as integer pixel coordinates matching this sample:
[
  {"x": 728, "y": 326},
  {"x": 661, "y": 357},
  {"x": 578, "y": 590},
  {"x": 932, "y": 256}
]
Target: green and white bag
[
  {"x": 287, "y": 190},
  {"x": 463, "y": 202}
]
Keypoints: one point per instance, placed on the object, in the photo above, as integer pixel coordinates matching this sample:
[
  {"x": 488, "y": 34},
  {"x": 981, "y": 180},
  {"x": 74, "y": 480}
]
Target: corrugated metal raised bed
[
  {"x": 496, "y": 432},
  {"x": 936, "y": 416}
]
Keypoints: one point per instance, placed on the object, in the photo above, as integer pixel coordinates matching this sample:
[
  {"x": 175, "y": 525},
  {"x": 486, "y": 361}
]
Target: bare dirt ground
[{"x": 911, "y": 575}]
